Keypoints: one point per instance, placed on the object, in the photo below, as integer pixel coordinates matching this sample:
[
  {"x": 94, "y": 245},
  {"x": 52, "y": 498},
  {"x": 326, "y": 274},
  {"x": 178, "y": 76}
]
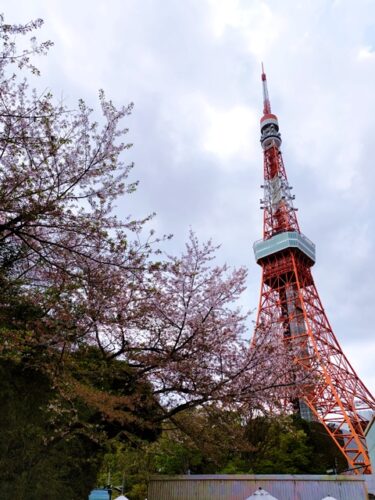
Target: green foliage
[
  {"x": 325, "y": 454},
  {"x": 220, "y": 442},
  {"x": 122, "y": 401},
  {"x": 127, "y": 465},
  {"x": 290, "y": 445},
  {"x": 174, "y": 454},
  {"x": 36, "y": 460},
  {"x": 286, "y": 453},
  {"x": 52, "y": 443}
]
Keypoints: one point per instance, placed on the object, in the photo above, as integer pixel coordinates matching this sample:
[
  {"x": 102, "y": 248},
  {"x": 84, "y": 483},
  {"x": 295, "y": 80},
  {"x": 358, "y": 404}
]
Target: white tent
[
  {"x": 261, "y": 494},
  {"x": 122, "y": 497}
]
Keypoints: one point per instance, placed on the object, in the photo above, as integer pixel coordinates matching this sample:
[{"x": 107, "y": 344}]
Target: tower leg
[{"x": 333, "y": 394}]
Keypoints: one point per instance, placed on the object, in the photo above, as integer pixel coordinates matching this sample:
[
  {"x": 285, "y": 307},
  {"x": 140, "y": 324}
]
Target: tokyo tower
[{"x": 290, "y": 305}]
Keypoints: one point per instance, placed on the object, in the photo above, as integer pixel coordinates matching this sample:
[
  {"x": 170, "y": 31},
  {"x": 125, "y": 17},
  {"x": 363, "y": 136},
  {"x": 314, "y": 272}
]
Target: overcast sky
[{"x": 192, "y": 68}]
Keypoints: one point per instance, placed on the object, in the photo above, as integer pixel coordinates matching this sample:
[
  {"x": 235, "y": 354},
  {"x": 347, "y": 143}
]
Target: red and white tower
[{"x": 290, "y": 306}]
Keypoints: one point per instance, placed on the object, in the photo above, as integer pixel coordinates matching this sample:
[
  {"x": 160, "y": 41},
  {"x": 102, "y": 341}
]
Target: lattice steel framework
[{"x": 290, "y": 304}]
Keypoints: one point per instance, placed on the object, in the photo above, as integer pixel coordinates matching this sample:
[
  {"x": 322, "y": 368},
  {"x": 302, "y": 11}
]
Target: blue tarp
[{"x": 99, "y": 495}]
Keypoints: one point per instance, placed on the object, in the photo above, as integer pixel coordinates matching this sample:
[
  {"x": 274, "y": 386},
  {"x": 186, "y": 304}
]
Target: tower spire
[
  {"x": 279, "y": 213},
  {"x": 290, "y": 310},
  {"x": 266, "y": 98}
]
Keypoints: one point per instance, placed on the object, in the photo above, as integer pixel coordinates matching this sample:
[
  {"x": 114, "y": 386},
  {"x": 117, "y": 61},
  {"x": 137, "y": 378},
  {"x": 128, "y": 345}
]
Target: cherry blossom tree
[
  {"x": 190, "y": 339},
  {"x": 60, "y": 174},
  {"x": 85, "y": 278}
]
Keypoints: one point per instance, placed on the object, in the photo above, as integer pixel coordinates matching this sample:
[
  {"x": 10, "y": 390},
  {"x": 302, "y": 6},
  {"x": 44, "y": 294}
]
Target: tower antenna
[{"x": 266, "y": 98}]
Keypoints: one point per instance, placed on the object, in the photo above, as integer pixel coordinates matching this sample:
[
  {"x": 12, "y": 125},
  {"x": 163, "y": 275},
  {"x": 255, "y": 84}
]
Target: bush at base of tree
[
  {"x": 36, "y": 462},
  {"x": 51, "y": 447}
]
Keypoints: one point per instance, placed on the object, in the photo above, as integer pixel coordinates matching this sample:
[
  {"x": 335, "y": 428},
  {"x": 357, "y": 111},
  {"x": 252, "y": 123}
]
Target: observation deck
[{"x": 283, "y": 241}]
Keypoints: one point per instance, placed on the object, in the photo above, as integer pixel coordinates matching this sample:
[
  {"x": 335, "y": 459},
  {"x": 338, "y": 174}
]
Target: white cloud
[
  {"x": 256, "y": 21},
  {"x": 229, "y": 133},
  {"x": 366, "y": 53}
]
